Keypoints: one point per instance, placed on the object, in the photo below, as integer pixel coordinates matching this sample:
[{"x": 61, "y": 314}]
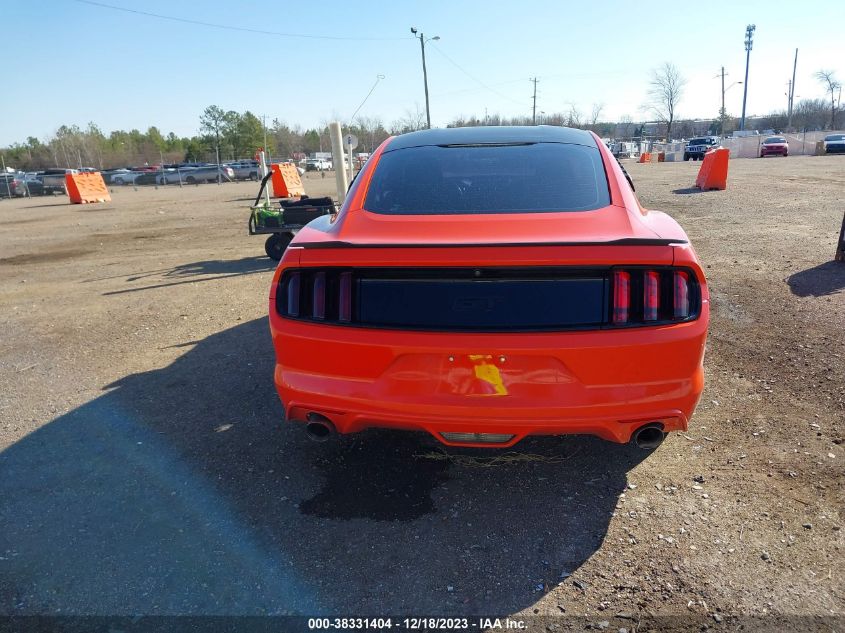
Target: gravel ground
[{"x": 145, "y": 469}]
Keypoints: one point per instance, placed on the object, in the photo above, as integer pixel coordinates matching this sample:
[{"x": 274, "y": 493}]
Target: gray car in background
[
  {"x": 245, "y": 169},
  {"x": 193, "y": 175}
]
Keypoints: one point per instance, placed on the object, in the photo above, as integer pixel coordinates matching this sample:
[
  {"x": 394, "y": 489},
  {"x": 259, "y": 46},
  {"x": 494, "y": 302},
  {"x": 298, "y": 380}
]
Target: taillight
[
  {"x": 648, "y": 296},
  {"x": 318, "y": 296},
  {"x": 621, "y": 296},
  {"x": 651, "y": 295},
  {"x": 680, "y": 305},
  {"x": 345, "y": 297},
  {"x": 293, "y": 294}
]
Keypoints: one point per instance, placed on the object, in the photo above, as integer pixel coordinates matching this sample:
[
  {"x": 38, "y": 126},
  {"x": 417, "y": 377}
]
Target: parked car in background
[
  {"x": 696, "y": 147},
  {"x": 148, "y": 178},
  {"x": 520, "y": 290},
  {"x": 834, "y": 143},
  {"x": 245, "y": 169},
  {"x": 33, "y": 184},
  {"x": 54, "y": 180},
  {"x": 173, "y": 176},
  {"x": 207, "y": 173},
  {"x": 12, "y": 185},
  {"x": 109, "y": 174},
  {"x": 125, "y": 177},
  {"x": 317, "y": 164},
  {"x": 774, "y": 146}
]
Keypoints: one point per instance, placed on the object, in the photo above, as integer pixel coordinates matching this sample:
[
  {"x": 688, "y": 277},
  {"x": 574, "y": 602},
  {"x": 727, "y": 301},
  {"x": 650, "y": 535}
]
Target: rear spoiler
[{"x": 628, "y": 241}]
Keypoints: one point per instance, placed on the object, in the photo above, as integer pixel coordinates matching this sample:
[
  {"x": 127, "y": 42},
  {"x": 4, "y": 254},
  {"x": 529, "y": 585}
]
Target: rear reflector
[
  {"x": 651, "y": 295},
  {"x": 681, "y": 300},
  {"x": 478, "y": 438},
  {"x": 621, "y": 296}
]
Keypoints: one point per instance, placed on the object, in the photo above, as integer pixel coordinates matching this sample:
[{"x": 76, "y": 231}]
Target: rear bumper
[{"x": 605, "y": 383}]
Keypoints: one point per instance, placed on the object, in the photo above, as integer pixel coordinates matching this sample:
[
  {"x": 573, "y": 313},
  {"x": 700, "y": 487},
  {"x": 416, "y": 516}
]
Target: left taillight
[
  {"x": 316, "y": 295},
  {"x": 292, "y": 293}
]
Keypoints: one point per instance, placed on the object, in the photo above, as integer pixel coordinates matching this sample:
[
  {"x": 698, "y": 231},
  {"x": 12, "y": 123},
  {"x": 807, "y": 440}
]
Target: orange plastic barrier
[
  {"x": 714, "y": 170},
  {"x": 644, "y": 157},
  {"x": 87, "y": 187},
  {"x": 286, "y": 181}
]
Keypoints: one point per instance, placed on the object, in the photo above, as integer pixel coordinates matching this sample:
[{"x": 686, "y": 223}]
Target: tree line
[{"x": 231, "y": 135}]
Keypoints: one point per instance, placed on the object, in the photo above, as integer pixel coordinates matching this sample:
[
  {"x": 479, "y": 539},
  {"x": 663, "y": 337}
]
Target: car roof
[{"x": 492, "y": 135}]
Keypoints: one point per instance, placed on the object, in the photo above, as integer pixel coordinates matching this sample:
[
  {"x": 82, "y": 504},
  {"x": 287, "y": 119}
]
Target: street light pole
[
  {"x": 749, "y": 42},
  {"x": 422, "y": 39}
]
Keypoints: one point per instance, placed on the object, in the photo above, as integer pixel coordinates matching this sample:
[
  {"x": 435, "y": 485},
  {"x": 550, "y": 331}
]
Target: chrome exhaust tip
[
  {"x": 319, "y": 428},
  {"x": 649, "y": 436}
]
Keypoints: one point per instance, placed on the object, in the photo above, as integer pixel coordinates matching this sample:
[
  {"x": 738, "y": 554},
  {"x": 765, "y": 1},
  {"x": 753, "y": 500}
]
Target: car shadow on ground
[
  {"x": 181, "y": 491},
  {"x": 818, "y": 281},
  {"x": 193, "y": 272}
]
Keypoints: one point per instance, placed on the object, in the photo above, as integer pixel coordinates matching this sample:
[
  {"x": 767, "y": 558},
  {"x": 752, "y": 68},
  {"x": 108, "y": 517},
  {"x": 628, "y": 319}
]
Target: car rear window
[
  {"x": 835, "y": 137},
  {"x": 481, "y": 179},
  {"x": 774, "y": 139}
]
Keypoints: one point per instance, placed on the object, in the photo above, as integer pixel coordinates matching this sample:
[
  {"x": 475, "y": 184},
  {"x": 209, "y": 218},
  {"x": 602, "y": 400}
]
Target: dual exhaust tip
[{"x": 648, "y": 437}]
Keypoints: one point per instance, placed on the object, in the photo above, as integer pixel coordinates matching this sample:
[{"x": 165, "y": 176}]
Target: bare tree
[
  {"x": 573, "y": 117},
  {"x": 828, "y": 79},
  {"x": 596, "y": 113},
  {"x": 411, "y": 122},
  {"x": 664, "y": 93}
]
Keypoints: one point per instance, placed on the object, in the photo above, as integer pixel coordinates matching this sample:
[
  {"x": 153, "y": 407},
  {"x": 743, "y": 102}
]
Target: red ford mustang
[{"x": 484, "y": 284}]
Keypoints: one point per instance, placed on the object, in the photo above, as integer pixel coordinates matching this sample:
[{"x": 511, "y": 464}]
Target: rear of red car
[
  {"x": 489, "y": 285},
  {"x": 774, "y": 146}
]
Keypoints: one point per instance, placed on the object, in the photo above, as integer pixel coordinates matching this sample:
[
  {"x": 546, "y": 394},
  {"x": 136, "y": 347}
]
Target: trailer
[{"x": 283, "y": 223}]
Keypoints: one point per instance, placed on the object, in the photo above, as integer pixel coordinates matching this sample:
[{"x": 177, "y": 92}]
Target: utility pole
[
  {"x": 722, "y": 111},
  {"x": 749, "y": 43},
  {"x": 534, "y": 107},
  {"x": 792, "y": 91},
  {"x": 788, "y": 101},
  {"x": 422, "y": 40}
]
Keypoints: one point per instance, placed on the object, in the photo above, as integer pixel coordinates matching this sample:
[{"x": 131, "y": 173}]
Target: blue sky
[{"x": 78, "y": 62}]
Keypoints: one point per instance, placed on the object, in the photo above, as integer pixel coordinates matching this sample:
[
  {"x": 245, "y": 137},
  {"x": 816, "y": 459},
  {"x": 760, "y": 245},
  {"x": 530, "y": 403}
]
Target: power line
[
  {"x": 473, "y": 77},
  {"x": 242, "y": 29},
  {"x": 378, "y": 79}
]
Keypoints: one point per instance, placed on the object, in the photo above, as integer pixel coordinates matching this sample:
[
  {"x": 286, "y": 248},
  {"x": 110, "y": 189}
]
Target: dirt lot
[{"x": 145, "y": 469}]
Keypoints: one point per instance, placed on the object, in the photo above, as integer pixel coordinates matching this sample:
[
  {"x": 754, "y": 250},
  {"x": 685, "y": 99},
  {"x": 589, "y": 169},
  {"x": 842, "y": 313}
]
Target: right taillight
[
  {"x": 652, "y": 295},
  {"x": 344, "y": 311}
]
